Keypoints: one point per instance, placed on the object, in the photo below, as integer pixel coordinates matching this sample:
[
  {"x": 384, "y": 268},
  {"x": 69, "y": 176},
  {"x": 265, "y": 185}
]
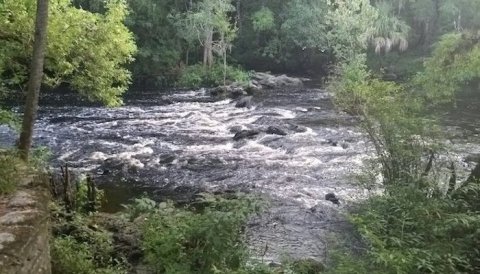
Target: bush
[
  {"x": 79, "y": 244},
  {"x": 196, "y": 76},
  {"x": 393, "y": 119},
  {"x": 206, "y": 237},
  {"x": 9, "y": 168},
  {"x": 74, "y": 257},
  {"x": 138, "y": 207},
  {"x": 408, "y": 232}
]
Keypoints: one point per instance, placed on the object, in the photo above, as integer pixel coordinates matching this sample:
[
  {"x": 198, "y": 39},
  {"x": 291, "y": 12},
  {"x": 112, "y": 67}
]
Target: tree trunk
[
  {"x": 238, "y": 16},
  {"x": 35, "y": 80},
  {"x": 208, "y": 49}
]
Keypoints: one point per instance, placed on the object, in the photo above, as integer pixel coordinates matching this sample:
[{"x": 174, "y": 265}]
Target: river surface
[{"x": 171, "y": 145}]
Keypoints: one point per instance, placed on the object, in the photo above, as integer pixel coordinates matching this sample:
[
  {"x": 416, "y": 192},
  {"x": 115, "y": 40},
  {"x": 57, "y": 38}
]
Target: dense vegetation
[{"x": 390, "y": 63}]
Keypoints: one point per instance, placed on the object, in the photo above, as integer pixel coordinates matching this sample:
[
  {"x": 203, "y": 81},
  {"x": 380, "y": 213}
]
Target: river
[{"x": 172, "y": 145}]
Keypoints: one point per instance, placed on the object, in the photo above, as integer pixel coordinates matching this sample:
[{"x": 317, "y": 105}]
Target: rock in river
[
  {"x": 245, "y": 134},
  {"x": 276, "y": 131},
  {"x": 244, "y": 102}
]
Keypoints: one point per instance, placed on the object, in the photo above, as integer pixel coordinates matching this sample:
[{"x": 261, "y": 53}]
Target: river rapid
[{"x": 175, "y": 144}]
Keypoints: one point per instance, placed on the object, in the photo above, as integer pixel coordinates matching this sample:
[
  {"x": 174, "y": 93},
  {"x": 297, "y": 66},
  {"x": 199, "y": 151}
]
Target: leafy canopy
[{"x": 86, "y": 50}]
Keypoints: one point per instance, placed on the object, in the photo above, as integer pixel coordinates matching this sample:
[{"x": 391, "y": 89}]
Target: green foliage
[
  {"x": 352, "y": 26},
  {"x": 455, "y": 62},
  {"x": 138, "y": 207},
  {"x": 263, "y": 20},
  {"x": 160, "y": 47},
  {"x": 409, "y": 232},
  {"x": 206, "y": 237},
  {"x": 196, "y": 76},
  {"x": 86, "y": 50},
  {"x": 40, "y": 157},
  {"x": 8, "y": 118},
  {"x": 74, "y": 257},
  {"x": 389, "y": 31},
  {"x": 80, "y": 245},
  {"x": 287, "y": 33},
  {"x": 393, "y": 119},
  {"x": 402, "y": 66},
  {"x": 9, "y": 171},
  {"x": 305, "y": 25},
  {"x": 82, "y": 201}
]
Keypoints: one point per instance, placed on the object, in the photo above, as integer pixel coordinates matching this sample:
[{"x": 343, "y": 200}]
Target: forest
[{"x": 241, "y": 136}]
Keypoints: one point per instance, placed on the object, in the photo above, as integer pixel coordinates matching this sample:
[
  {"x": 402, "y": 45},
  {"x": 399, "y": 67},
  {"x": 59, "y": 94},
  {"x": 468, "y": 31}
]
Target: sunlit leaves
[
  {"x": 87, "y": 50},
  {"x": 263, "y": 20},
  {"x": 352, "y": 25},
  {"x": 455, "y": 62}
]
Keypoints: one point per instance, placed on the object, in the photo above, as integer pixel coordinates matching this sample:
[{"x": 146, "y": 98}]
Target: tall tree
[
  {"x": 35, "y": 80},
  {"x": 86, "y": 50},
  {"x": 209, "y": 22}
]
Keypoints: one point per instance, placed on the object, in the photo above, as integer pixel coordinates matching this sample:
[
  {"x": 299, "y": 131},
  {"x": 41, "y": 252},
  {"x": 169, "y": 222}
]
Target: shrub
[
  {"x": 206, "y": 237},
  {"x": 138, "y": 207},
  {"x": 393, "y": 120},
  {"x": 9, "y": 171},
  {"x": 74, "y": 257},
  {"x": 409, "y": 232},
  {"x": 196, "y": 76},
  {"x": 79, "y": 244}
]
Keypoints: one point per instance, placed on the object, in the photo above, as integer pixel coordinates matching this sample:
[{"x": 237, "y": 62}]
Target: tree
[
  {"x": 88, "y": 51},
  {"x": 209, "y": 22},
  {"x": 160, "y": 44},
  {"x": 455, "y": 62},
  {"x": 351, "y": 26},
  {"x": 388, "y": 30},
  {"x": 35, "y": 81}
]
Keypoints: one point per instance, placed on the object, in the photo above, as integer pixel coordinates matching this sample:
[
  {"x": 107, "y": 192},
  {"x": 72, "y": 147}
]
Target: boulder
[
  {"x": 167, "y": 158},
  {"x": 248, "y": 133},
  {"x": 244, "y": 102},
  {"x": 271, "y": 81},
  {"x": 218, "y": 91},
  {"x": 235, "y": 129},
  {"x": 296, "y": 128},
  {"x": 166, "y": 100},
  {"x": 332, "y": 198},
  {"x": 237, "y": 92},
  {"x": 276, "y": 131}
]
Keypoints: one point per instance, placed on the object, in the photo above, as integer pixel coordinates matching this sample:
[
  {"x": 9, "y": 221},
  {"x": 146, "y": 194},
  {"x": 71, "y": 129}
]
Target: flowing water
[{"x": 171, "y": 150}]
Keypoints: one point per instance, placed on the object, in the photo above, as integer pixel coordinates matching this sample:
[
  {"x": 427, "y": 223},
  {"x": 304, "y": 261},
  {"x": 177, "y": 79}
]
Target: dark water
[{"x": 173, "y": 150}]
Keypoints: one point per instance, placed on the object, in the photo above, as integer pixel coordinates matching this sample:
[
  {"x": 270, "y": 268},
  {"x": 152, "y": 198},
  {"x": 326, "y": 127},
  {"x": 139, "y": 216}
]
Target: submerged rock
[
  {"x": 236, "y": 129},
  {"x": 234, "y": 91},
  {"x": 248, "y": 133},
  {"x": 244, "y": 102},
  {"x": 332, "y": 198},
  {"x": 276, "y": 131}
]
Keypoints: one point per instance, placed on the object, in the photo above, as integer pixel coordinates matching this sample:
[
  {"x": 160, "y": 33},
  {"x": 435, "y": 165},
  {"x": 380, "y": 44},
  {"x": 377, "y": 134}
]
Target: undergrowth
[
  {"x": 79, "y": 244},
  {"x": 409, "y": 231},
  {"x": 205, "y": 237},
  {"x": 196, "y": 76}
]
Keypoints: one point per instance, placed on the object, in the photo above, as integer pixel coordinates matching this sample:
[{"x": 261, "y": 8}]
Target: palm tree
[{"x": 389, "y": 31}]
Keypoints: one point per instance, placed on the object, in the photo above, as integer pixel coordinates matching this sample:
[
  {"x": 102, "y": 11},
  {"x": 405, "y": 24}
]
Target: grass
[{"x": 10, "y": 165}]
